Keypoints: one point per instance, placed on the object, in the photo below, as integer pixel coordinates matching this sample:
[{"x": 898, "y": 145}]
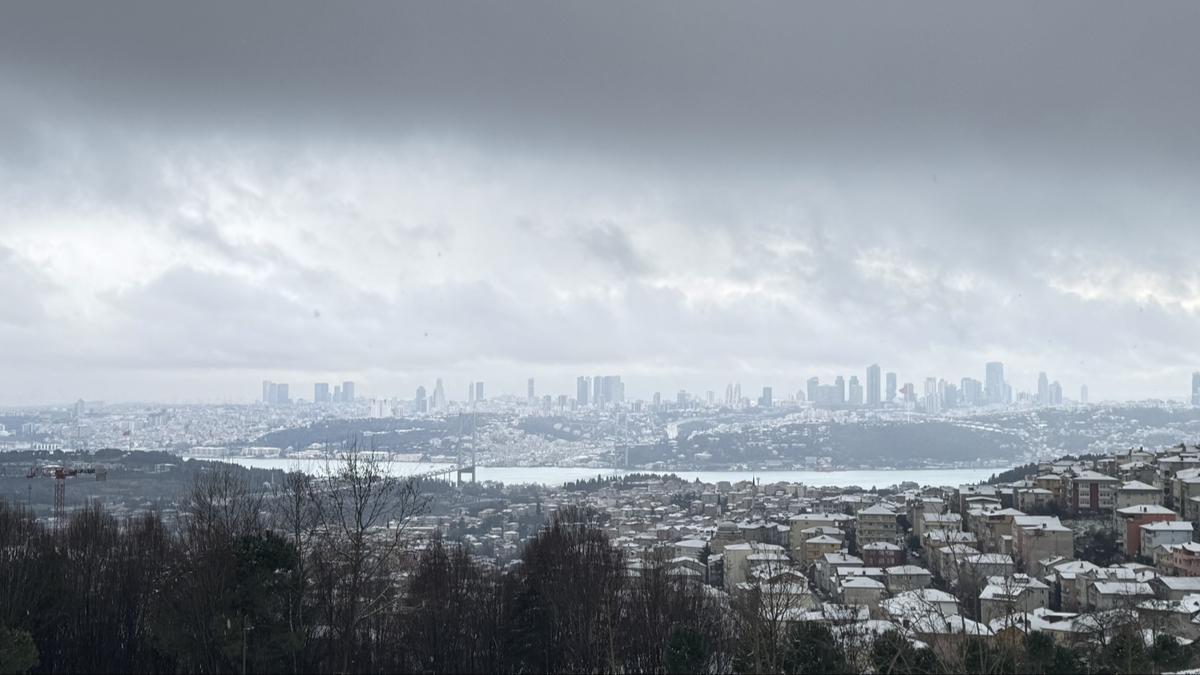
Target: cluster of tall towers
[
  {"x": 599, "y": 391},
  {"x": 277, "y": 393}
]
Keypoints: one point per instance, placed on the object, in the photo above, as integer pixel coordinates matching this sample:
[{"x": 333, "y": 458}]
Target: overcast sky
[{"x": 195, "y": 197}]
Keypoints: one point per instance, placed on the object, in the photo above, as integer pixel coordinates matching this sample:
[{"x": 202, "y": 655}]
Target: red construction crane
[{"x": 60, "y": 474}]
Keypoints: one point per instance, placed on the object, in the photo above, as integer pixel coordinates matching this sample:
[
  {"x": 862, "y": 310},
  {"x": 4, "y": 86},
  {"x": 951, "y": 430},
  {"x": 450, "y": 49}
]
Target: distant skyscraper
[
  {"x": 583, "y": 384},
  {"x": 657, "y": 400},
  {"x": 681, "y": 399},
  {"x": 972, "y": 391},
  {"x": 1054, "y": 393},
  {"x": 598, "y": 390},
  {"x": 531, "y": 396},
  {"x": 873, "y": 385},
  {"x": 994, "y": 383},
  {"x": 348, "y": 392},
  {"x": 337, "y": 393},
  {"x": 1196, "y": 388},
  {"x": 711, "y": 397},
  {"x": 949, "y": 395},
  {"x": 1083, "y": 393},
  {"x": 478, "y": 392},
  {"x": 766, "y": 400},
  {"x": 321, "y": 392},
  {"x": 420, "y": 404},
  {"x": 856, "y": 391},
  {"x": 812, "y": 385},
  {"x": 439, "y": 396},
  {"x": 839, "y": 383},
  {"x": 281, "y": 394},
  {"x": 1043, "y": 392},
  {"x": 891, "y": 387}
]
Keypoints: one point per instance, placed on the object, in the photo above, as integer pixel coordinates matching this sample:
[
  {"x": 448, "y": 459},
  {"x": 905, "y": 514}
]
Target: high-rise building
[
  {"x": 681, "y": 399},
  {"x": 1054, "y": 393},
  {"x": 530, "y": 395},
  {"x": 765, "y": 400},
  {"x": 856, "y": 391},
  {"x": 612, "y": 390},
  {"x": 1043, "y": 392},
  {"x": 583, "y": 384},
  {"x": 994, "y": 383},
  {"x": 839, "y": 383},
  {"x": 1196, "y": 388},
  {"x": 439, "y": 395},
  {"x": 470, "y": 392},
  {"x": 598, "y": 391},
  {"x": 420, "y": 403},
  {"x": 891, "y": 387},
  {"x": 321, "y": 392},
  {"x": 949, "y": 395},
  {"x": 873, "y": 385},
  {"x": 348, "y": 392},
  {"x": 711, "y": 397},
  {"x": 972, "y": 391},
  {"x": 657, "y": 400},
  {"x": 812, "y": 385},
  {"x": 268, "y": 396},
  {"x": 337, "y": 393},
  {"x": 479, "y": 392},
  {"x": 1083, "y": 394},
  {"x": 281, "y": 394}
]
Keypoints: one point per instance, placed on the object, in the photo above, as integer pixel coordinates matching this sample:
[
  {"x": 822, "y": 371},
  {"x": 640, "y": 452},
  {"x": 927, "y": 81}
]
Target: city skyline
[{"x": 868, "y": 392}]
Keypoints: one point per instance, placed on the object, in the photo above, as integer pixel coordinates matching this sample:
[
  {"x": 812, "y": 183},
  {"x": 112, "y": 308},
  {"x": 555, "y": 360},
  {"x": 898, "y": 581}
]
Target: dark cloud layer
[{"x": 198, "y": 195}]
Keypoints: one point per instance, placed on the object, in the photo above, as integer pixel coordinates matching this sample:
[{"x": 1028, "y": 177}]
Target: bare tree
[
  {"x": 294, "y": 514},
  {"x": 360, "y": 515}
]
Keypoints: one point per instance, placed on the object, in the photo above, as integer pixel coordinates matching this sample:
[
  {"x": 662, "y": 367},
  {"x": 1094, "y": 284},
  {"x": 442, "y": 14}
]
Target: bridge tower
[{"x": 461, "y": 469}]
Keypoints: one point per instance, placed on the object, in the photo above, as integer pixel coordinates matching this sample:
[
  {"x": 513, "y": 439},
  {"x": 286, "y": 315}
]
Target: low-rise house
[
  {"x": 1111, "y": 595},
  {"x": 1180, "y": 618},
  {"x": 1185, "y": 560},
  {"x": 1162, "y": 534},
  {"x": 1092, "y": 492},
  {"x": 882, "y": 554},
  {"x": 903, "y": 578},
  {"x": 737, "y": 561},
  {"x": 1014, "y": 594},
  {"x": 1127, "y": 521},
  {"x": 1175, "y": 588},
  {"x": 862, "y": 591},
  {"x": 827, "y": 565},
  {"x": 876, "y": 523},
  {"x": 1064, "y": 628},
  {"x": 1137, "y": 493},
  {"x": 1039, "y": 537},
  {"x": 816, "y": 547},
  {"x": 948, "y": 561},
  {"x": 985, "y": 565},
  {"x": 1065, "y": 576}
]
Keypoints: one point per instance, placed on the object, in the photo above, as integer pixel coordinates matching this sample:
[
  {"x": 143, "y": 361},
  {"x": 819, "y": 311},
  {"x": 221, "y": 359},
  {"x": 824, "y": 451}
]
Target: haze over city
[{"x": 686, "y": 195}]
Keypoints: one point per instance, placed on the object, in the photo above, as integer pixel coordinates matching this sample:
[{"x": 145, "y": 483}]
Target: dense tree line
[{"x": 317, "y": 575}]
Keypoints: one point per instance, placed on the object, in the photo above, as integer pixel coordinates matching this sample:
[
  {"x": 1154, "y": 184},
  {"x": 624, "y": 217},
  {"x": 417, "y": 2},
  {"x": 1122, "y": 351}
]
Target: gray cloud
[{"x": 207, "y": 194}]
